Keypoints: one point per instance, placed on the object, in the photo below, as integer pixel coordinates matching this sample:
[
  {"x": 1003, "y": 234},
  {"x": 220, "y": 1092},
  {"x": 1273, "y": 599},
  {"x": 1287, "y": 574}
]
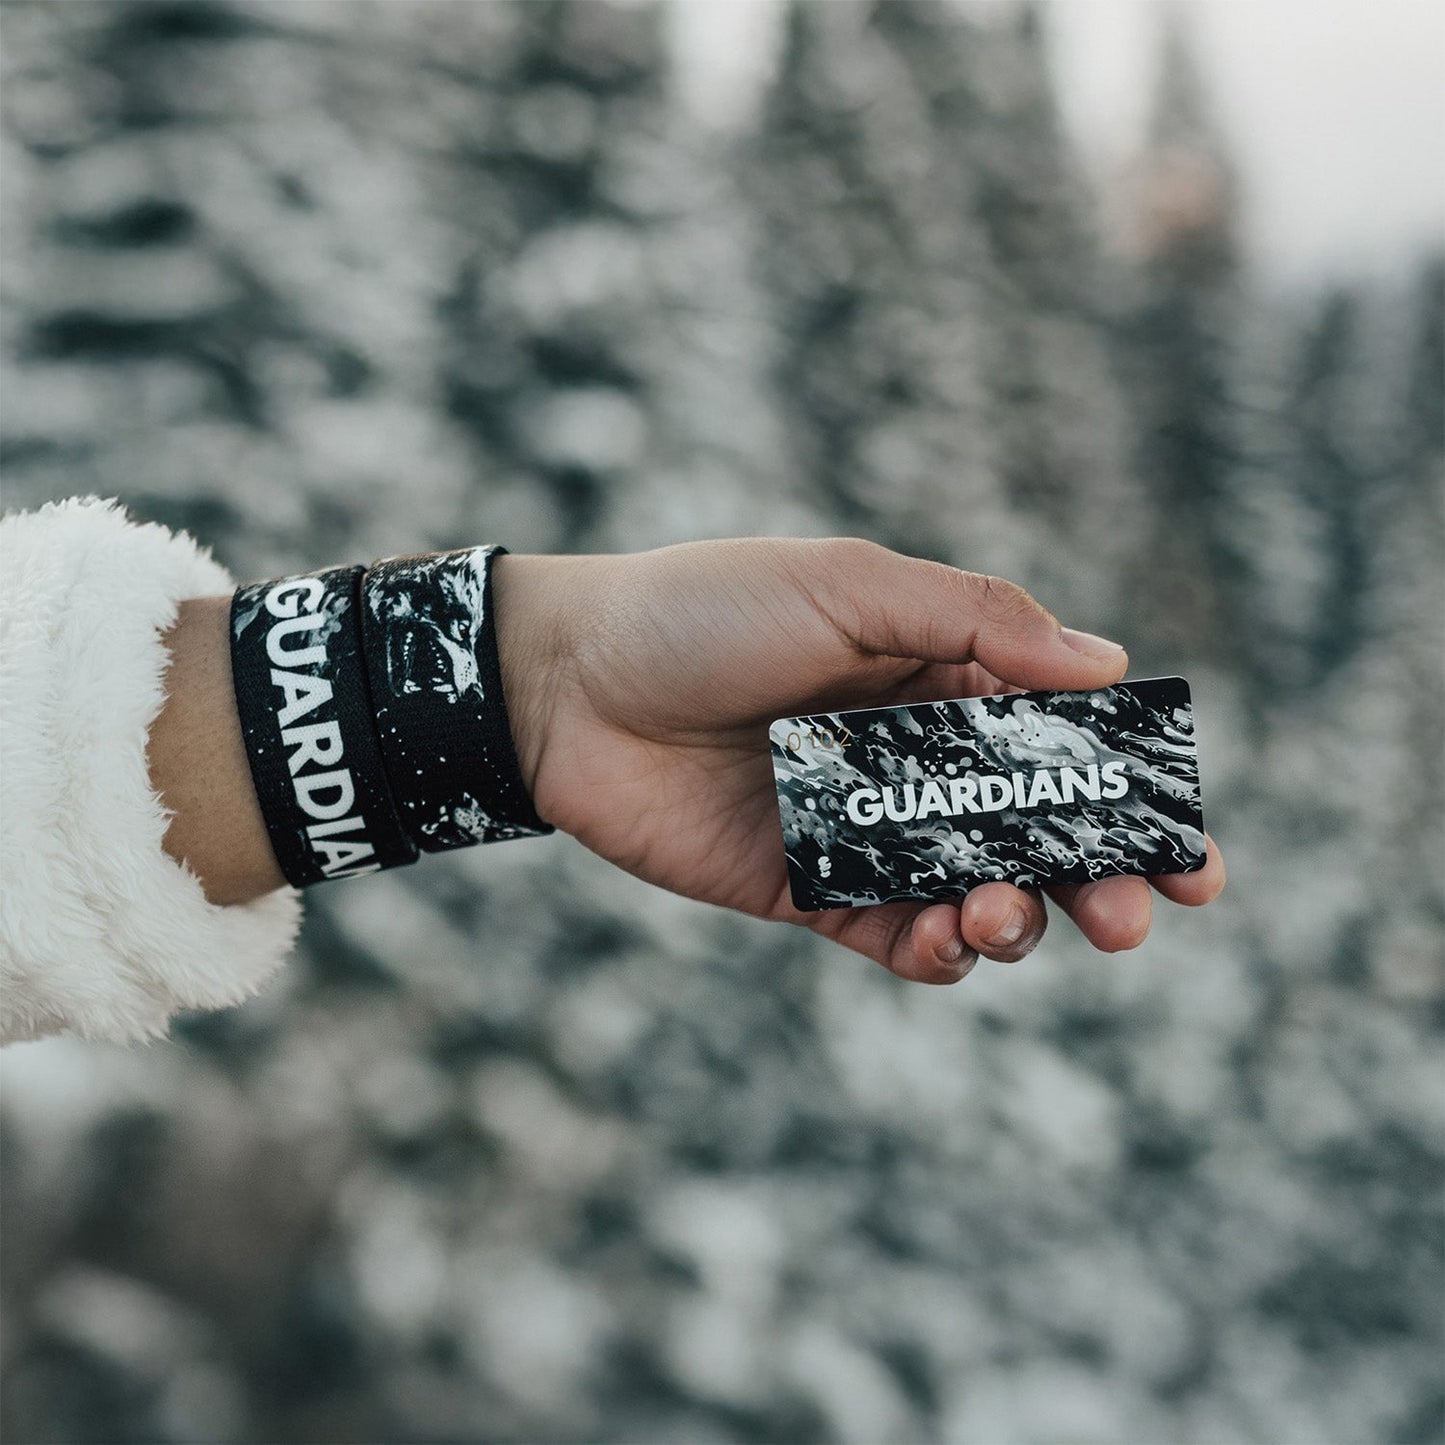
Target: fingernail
[
  {"x": 950, "y": 952},
  {"x": 1012, "y": 931},
  {"x": 1087, "y": 643}
]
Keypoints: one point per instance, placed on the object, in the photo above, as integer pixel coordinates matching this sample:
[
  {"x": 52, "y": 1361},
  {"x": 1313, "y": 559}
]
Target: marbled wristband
[
  {"x": 436, "y": 683},
  {"x": 309, "y": 727}
]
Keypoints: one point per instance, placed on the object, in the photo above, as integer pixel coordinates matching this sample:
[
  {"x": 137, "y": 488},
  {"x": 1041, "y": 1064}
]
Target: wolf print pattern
[
  {"x": 437, "y": 692},
  {"x": 929, "y": 800}
]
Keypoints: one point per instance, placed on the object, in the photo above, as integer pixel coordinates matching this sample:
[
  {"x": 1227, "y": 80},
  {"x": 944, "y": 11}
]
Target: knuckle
[
  {"x": 852, "y": 554},
  {"x": 1001, "y": 598},
  {"x": 945, "y": 975},
  {"x": 845, "y": 576}
]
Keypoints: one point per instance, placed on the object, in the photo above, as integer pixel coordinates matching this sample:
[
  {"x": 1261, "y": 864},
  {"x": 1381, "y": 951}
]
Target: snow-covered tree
[
  {"x": 1179, "y": 335},
  {"x": 927, "y": 259}
]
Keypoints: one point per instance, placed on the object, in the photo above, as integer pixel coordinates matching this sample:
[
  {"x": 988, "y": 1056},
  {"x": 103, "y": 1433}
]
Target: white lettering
[
  {"x": 1086, "y": 782},
  {"x": 342, "y": 825},
  {"x": 900, "y": 812},
  {"x": 303, "y": 693},
  {"x": 284, "y": 599},
  {"x": 356, "y": 872},
  {"x": 931, "y": 800},
  {"x": 308, "y": 787},
  {"x": 995, "y": 793},
  {"x": 865, "y": 806},
  {"x": 299, "y": 656},
  {"x": 318, "y": 743},
  {"x": 1043, "y": 788},
  {"x": 963, "y": 794},
  {"x": 1117, "y": 784},
  {"x": 342, "y": 855},
  {"x": 329, "y": 795},
  {"x": 986, "y": 793}
]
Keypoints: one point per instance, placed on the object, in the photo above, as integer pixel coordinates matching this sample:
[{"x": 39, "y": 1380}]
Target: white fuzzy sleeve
[{"x": 102, "y": 934}]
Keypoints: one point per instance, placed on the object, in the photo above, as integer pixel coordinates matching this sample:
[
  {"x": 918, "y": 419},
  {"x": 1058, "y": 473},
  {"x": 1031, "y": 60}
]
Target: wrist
[
  {"x": 197, "y": 762},
  {"x": 534, "y": 600},
  {"x": 371, "y": 705}
]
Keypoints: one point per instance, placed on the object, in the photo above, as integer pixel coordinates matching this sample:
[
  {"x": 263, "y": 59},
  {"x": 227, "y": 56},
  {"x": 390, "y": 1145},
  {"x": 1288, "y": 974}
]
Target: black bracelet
[
  {"x": 431, "y": 656},
  {"x": 308, "y": 724}
]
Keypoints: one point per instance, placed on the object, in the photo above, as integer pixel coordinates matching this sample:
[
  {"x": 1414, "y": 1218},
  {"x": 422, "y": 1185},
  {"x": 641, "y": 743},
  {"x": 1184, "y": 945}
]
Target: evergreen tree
[
  {"x": 1179, "y": 338},
  {"x": 309, "y": 225},
  {"x": 1405, "y": 533},
  {"x": 1333, "y": 484},
  {"x": 1423, "y": 429},
  {"x": 543, "y": 183},
  {"x": 926, "y": 259},
  {"x": 1056, "y": 418}
]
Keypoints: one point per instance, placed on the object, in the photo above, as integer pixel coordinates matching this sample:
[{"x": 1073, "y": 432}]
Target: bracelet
[
  {"x": 430, "y": 642},
  {"x": 371, "y": 706},
  {"x": 306, "y": 718}
]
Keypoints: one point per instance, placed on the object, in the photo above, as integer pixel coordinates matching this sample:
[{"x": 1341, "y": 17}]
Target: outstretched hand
[{"x": 640, "y": 688}]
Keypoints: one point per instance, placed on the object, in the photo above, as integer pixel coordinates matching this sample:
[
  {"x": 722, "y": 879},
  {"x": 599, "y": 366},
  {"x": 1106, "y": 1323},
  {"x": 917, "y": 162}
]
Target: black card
[{"x": 932, "y": 799}]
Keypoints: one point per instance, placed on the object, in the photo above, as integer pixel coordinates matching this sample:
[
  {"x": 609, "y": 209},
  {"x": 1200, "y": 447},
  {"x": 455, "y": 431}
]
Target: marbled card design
[{"x": 930, "y": 800}]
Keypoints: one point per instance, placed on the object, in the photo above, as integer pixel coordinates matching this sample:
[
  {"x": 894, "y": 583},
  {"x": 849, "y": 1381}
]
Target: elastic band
[
  {"x": 307, "y": 720},
  {"x": 431, "y": 656}
]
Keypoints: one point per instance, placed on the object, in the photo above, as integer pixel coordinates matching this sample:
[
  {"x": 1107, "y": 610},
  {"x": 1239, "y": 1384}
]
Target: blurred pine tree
[
  {"x": 1179, "y": 334},
  {"x": 926, "y": 254},
  {"x": 1336, "y": 490}
]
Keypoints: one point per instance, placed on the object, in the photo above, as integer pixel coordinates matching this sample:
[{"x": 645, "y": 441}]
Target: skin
[{"x": 640, "y": 688}]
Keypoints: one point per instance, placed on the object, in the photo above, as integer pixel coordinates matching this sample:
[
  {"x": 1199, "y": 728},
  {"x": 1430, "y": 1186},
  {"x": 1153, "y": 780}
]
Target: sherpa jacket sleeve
[{"x": 102, "y": 933}]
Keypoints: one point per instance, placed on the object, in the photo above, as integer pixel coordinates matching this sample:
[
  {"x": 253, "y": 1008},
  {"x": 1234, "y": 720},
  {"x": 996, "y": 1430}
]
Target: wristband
[
  {"x": 430, "y": 642},
  {"x": 307, "y": 721}
]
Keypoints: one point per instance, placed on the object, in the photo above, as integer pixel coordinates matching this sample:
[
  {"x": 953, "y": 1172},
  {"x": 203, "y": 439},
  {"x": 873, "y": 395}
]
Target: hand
[{"x": 640, "y": 690}]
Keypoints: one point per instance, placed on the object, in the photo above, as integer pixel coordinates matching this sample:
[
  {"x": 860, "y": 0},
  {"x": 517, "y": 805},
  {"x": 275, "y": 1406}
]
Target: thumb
[{"x": 897, "y": 606}]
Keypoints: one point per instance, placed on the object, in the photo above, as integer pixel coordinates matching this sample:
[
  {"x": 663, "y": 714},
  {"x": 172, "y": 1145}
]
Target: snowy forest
[{"x": 519, "y": 1149}]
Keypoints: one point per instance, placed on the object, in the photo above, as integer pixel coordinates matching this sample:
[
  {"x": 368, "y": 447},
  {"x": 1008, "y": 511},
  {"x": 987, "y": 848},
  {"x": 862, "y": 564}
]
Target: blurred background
[{"x": 1140, "y": 306}]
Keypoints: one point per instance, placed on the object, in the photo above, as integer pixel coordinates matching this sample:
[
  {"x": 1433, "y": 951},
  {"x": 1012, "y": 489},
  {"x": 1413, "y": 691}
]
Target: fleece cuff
[{"x": 102, "y": 933}]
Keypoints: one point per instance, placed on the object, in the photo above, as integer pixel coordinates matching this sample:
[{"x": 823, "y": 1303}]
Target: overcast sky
[{"x": 1336, "y": 108}]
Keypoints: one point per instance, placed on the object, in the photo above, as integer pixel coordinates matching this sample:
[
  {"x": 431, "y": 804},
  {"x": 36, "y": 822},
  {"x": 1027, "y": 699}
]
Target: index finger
[{"x": 889, "y": 605}]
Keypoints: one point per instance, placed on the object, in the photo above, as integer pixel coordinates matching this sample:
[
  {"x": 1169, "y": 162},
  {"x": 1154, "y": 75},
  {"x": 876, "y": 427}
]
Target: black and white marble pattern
[
  {"x": 1140, "y": 733},
  {"x": 437, "y": 690}
]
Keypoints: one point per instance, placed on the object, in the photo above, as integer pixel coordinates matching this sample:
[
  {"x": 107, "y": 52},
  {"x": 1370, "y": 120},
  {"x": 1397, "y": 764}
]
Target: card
[{"x": 929, "y": 800}]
